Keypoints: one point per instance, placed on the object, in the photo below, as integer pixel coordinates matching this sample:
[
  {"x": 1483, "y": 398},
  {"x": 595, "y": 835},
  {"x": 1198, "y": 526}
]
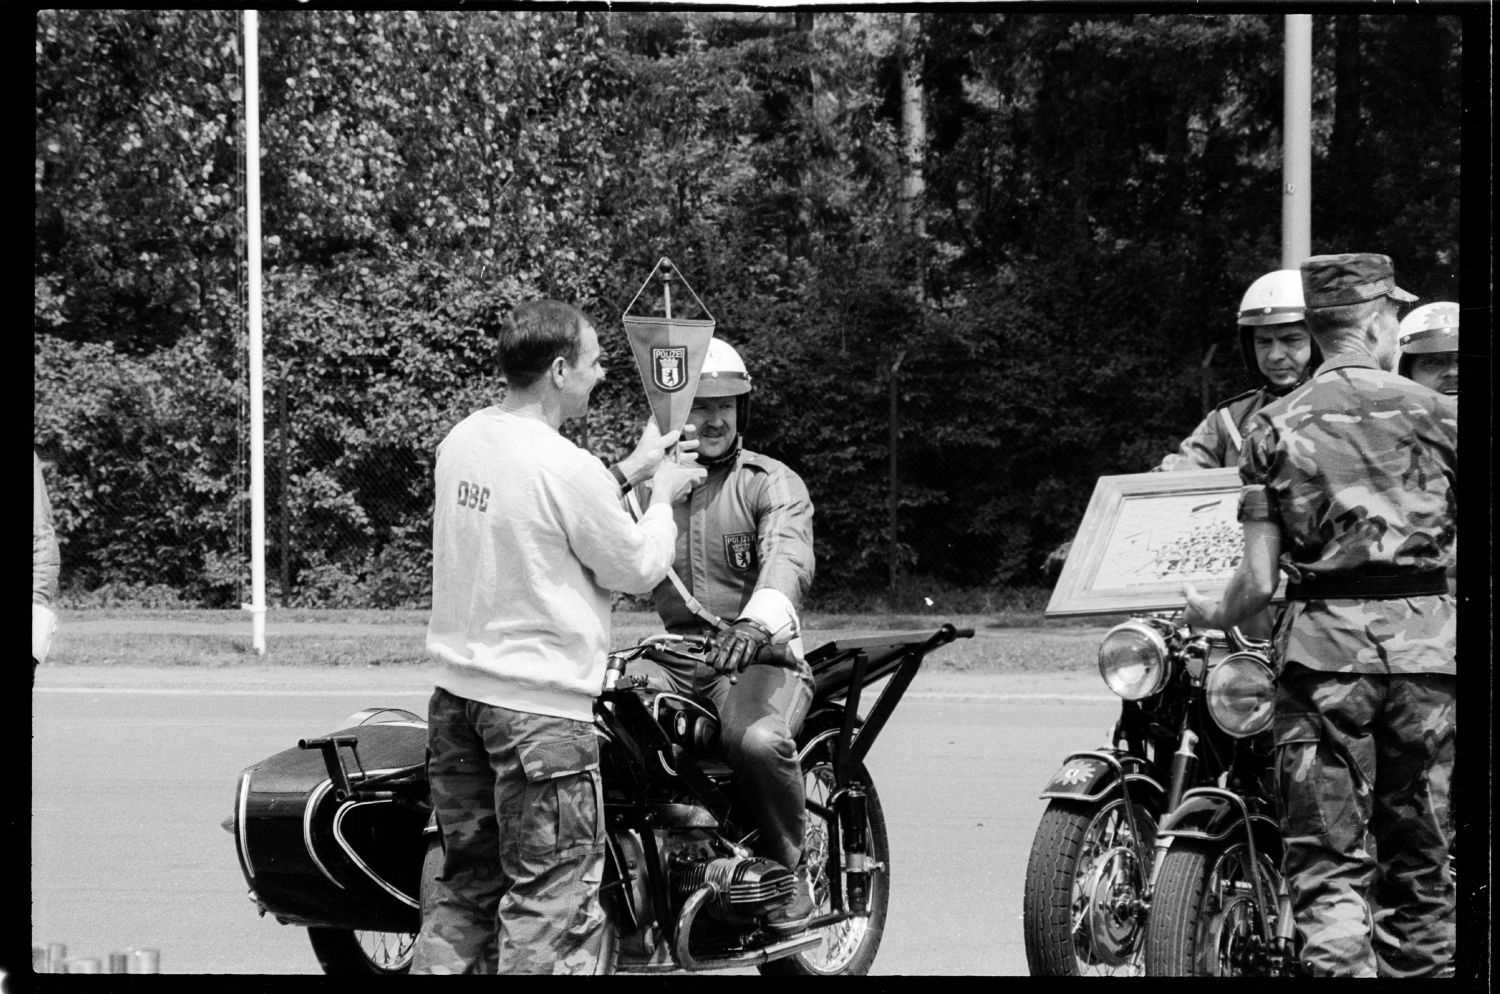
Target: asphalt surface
[{"x": 133, "y": 770}]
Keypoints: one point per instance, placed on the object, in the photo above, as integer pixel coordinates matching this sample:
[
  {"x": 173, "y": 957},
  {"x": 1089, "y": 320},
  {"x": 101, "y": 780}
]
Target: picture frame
[{"x": 1145, "y": 534}]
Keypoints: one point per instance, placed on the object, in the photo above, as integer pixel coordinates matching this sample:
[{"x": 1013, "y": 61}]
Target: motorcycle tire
[
  {"x": 848, "y": 947},
  {"x": 346, "y": 952},
  {"x": 1067, "y": 933},
  {"x": 1204, "y": 918}
]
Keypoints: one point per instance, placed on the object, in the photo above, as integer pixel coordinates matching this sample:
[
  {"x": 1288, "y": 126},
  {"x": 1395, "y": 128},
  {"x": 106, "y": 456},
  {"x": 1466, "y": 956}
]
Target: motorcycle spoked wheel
[
  {"x": 1083, "y": 882},
  {"x": 1204, "y": 919},
  {"x": 346, "y": 952},
  {"x": 848, "y": 947},
  {"x": 343, "y": 952}
]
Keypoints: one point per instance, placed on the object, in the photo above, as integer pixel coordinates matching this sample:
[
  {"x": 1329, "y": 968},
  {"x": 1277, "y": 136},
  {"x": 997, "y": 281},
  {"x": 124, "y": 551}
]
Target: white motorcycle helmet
[
  {"x": 1275, "y": 298},
  {"x": 1427, "y": 329},
  {"x": 724, "y": 375}
]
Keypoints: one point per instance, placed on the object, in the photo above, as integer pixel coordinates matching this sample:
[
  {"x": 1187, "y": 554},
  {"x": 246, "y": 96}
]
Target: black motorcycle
[
  {"x": 337, "y": 834},
  {"x": 1148, "y": 844}
]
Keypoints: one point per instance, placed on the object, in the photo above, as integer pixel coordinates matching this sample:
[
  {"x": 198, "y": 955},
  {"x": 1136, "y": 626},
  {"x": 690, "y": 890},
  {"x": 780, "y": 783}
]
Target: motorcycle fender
[
  {"x": 1088, "y": 776},
  {"x": 625, "y": 887},
  {"x": 1212, "y": 817}
]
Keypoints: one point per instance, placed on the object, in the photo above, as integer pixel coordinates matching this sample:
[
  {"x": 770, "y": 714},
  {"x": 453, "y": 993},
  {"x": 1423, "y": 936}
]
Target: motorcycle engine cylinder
[{"x": 743, "y": 888}]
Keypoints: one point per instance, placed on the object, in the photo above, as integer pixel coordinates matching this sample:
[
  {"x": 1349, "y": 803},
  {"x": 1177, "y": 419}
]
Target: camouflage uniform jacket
[
  {"x": 1216, "y": 441},
  {"x": 747, "y": 526},
  {"x": 1358, "y": 467}
]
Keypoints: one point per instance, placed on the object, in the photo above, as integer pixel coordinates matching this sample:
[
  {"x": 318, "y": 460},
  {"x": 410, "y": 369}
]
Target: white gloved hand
[{"x": 43, "y": 624}]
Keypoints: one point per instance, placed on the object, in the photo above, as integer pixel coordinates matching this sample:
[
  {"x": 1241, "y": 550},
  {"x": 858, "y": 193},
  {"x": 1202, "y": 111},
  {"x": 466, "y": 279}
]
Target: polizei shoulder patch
[{"x": 739, "y": 551}]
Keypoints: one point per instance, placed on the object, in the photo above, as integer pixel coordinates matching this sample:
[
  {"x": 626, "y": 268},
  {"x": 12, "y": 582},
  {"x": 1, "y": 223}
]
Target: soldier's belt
[{"x": 1372, "y": 587}]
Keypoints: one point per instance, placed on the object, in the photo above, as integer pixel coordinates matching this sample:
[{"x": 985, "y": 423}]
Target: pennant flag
[{"x": 669, "y": 353}]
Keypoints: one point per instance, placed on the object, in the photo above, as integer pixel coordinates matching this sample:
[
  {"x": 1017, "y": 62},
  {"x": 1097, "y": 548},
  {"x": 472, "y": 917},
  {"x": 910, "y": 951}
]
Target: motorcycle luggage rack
[
  {"x": 898, "y": 655},
  {"x": 361, "y": 785},
  {"x": 864, "y": 659}
]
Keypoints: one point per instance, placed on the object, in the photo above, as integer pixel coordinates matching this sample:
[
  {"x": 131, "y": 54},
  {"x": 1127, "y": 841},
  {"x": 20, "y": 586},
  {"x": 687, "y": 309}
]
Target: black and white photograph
[{"x": 774, "y": 489}]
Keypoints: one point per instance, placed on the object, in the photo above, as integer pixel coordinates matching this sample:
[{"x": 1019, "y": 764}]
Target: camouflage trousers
[
  {"x": 520, "y": 807},
  {"x": 1360, "y": 753}
]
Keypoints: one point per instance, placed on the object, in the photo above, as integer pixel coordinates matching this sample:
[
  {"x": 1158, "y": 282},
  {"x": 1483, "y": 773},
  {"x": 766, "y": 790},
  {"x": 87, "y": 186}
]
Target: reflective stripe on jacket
[
  {"x": 748, "y": 526},
  {"x": 1217, "y": 440}
]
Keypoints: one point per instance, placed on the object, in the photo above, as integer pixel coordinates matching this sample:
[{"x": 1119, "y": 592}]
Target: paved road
[{"x": 133, "y": 771}]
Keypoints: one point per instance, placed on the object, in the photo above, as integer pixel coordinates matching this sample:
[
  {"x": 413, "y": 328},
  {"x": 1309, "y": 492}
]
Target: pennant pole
[{"x": 669, "y": 351}]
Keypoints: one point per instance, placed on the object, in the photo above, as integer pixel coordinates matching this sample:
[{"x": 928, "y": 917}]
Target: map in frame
[{"x": 1145, "y": 534}]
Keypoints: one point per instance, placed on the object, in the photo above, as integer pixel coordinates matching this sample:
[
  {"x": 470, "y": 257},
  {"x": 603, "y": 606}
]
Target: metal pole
[
  {"x": 257, "y": 605},
  {"x": 666, "y": 307},
  {"x": 285, "y": 564},
  {"x": 1296, "y": 138}
]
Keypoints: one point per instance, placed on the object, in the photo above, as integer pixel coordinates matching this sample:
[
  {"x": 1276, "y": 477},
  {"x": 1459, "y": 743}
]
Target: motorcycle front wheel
[
  {"x": 1205, "y": 921},
  {"x": 346, "y": 952},
  {"x": 848, "y": 947},
  {"x": 1082, "y": 906}
]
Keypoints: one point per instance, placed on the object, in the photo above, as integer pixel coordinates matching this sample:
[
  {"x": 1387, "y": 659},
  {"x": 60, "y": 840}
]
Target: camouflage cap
[{"x": 1349, "y": 278}]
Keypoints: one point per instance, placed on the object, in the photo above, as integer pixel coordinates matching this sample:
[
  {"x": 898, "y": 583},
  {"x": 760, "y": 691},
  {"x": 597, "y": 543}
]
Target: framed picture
[{"x": 1143, "y": 535}]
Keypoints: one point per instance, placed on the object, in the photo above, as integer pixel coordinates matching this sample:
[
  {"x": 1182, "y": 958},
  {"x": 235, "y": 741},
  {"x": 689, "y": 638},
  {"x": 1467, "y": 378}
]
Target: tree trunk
[
  {"x": 913, "y": 154},
  {"x": 913, "y": 130},
  {"x": 799, "y": 238}
]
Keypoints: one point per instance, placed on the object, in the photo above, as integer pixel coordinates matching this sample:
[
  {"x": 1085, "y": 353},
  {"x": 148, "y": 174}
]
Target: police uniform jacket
[
  {"x": 747, "y": 527},
  {"x": 1217, "y": 440},
  {"x": 1358, "y": 467}
]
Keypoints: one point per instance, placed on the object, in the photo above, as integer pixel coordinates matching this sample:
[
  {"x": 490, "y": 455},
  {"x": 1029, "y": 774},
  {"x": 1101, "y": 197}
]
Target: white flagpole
[
  {"x": 1296, "y": 143},
  {"x": 257, "y": 605}
]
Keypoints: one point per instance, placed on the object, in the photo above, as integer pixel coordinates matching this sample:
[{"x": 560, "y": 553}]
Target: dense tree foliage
[{"x": 1099, "y": 189}]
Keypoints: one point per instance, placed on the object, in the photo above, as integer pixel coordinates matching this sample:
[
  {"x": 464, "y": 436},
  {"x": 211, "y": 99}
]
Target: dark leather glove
[{"x": 738, "y": 647}]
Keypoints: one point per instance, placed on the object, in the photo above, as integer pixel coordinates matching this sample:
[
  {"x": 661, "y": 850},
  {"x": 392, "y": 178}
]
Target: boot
[{"x": 794, "y": 915}]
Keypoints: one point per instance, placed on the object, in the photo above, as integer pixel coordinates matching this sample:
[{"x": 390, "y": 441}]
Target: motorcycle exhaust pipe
[{"x": 856, "y": 849}]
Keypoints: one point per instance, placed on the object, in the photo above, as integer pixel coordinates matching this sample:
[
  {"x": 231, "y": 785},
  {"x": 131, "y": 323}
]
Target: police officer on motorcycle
[
  {"x": 1429, "y": 347},
  {"x": 743, "y": 564},
  {"x": 1275, "y": 345}
]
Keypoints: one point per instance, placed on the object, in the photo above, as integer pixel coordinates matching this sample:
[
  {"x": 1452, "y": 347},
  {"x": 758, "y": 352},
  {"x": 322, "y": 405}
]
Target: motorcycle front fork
[
  {"x": 1184, "y": 763},
  {"x": 1284, "y": 942}
]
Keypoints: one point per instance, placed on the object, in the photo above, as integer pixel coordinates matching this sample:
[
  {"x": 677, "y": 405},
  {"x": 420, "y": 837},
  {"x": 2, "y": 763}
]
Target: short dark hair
[
  {"x": 1333, "y": 324},
  {"x": 534, "y": 334}
]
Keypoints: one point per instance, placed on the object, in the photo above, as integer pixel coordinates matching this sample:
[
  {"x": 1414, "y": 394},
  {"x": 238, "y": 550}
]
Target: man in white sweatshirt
[{"x": 529, "y": 538}]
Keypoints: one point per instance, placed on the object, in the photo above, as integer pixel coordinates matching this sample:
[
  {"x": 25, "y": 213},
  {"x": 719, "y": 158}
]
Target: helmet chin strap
[{"x": 727, "y": 456}]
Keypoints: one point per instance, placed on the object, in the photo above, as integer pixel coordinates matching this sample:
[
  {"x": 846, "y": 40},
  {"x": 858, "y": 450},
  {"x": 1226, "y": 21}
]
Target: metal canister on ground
[
  {"x": 83, "y": 965},
  {"x": 144, "y": 961},
  {"x": 57, "y": 957},
  {"x": 119, "y": 962}
]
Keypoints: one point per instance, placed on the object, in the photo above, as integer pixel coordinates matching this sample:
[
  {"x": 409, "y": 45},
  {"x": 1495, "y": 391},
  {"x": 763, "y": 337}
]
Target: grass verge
[{"x": 356, "y": 639}]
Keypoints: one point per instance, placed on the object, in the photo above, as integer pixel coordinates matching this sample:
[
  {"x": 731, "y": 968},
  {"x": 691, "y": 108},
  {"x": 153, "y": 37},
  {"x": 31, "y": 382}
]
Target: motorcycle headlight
[
  {"x": 1241, "y": 692},
  {"x": 1133, "y": 660}
]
